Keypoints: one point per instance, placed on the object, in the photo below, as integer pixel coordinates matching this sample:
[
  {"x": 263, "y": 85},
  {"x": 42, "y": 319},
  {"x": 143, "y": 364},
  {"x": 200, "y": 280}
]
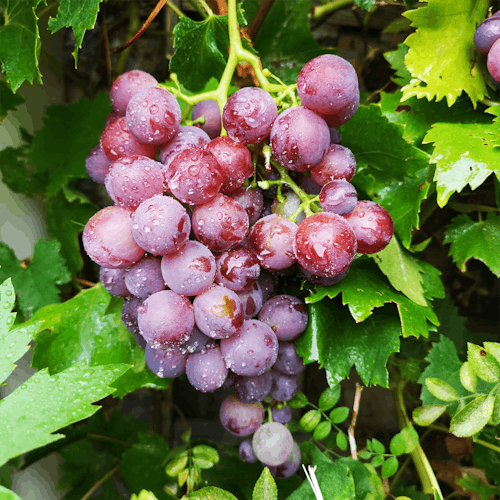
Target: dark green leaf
[
  {"x": 212, "y": 493},
  {"x": 265, "y": 487},
  {"x": 486, "y": 458},
  {"x": 339, "y": 415},
  {"x": 310, "y": 420},
  {"x": 473, "y": 417},
  {"x": 411, "y": 370},
  {"x": 5, "y": 476},
  {"x": 322, "y": 430},
  {"x": 363, "y": 479},
  {"x": 390, "y": 467},
  {"x": 9, "y": 101},
  {"x": 329, "y": 397},
  {"x": 365, "y": 4}
]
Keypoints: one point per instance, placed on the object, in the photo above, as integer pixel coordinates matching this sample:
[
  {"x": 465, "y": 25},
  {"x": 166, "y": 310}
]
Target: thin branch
[
  {"x": 107, "y": 438},
  {"x": 106, "y": 44},
  {"x": 259, "y": 17},
  {"x": 207, "y": 9},
  {"x": 321, "y": 11},
  {"x": 101, "y": 481},
  {"x": 355, "y": 410},
  {"x": 90, "y": 284}
]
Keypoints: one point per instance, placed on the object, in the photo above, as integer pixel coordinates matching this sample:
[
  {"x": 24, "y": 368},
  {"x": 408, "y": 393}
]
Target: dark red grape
[
  {"x": 322, "y": 280},
  {"x": 113, "y": 280},
  {"x": 252, "y": 200},
  {"x": 237, "y": 269},
  {"x": 283, "y": 387},
  {"x": 339, "y": 163},
  {"x": 281, "y": 415},
  {"x": 251, "y": 300},
  {"x": 252, "y": 389},
  {"x": 206, "y": 370},
  {"x": 493, "y": 61},
  {"x": 130, "y": 310},
  {"x": 339, "y": 197}
]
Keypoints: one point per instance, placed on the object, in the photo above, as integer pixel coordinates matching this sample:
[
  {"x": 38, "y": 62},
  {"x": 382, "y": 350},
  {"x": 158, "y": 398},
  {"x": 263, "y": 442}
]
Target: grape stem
[{"x": 321, "y": 11}]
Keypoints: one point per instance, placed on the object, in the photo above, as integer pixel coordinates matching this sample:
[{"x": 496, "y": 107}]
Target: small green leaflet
[
  {"x": 445, "y": 70},
  {"x": 6, "y": 494},
  {"x": 212, "y": 493},
  {"x": 36, "y": 284},
  {"x": 486, "y": 458},
  {"x": 8, "y": 100},
  {"x": 265, "y": 487},
  {"x": 396, "y": 58},
  {"x": 478, "y": 240}
]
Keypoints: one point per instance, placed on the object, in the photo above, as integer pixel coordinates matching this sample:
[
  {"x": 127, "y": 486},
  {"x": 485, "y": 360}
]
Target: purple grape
[
  {"x": 282, "y": 415},
  {"x": 240, "y": 419},
  {"x": 126, "y": 85},
  {"x": 272, "y": 443},
  {"x": 130, "y": 311},
  {"x": 271, "y": 239},
  {"x": 206, "y": 370},
  {"x": 286, "y": 315},
  {"x": 251, "y": 300},
  {"x": 339, "y": 163},
  {"x": 335, "y": 136},
  {"x": 140, "y": 340},
  {"x": 211, "y": 112},
  {"x": 299, "y": 139},
  {"x": 268, "y": 284},
  {"x": 133, "y": 179},
  {"x": 161, "y": 225},
  {"x": 288, "y": 206},
  {"x": 252, "y": 350},
  {"x": 322, "y": 280},
  {"x": 493, "y": 61},
  {"x": 288, "y": 361},
  {"x": 283, "y": 387},
  {"x": 218, "y": 312},
  {"x": 187, "y": 137},
  {"x": 246, "y": 452},
  {"x": 97, "y": 164},
  {"x": 290, "y": 466},
  {"x": 196, "y": 343},
  {"x": 190, "y": 270},
  {"x": 339, "y": 197},
  {"x": 252, "y": 200},
  {"x": 308, "y": 184},
  {"x": 166, "y": 319},
  {"x": 249, "y": 115},
  {"x": 252, "y": 389},
  {"x": 486, "y": 34},
  {"x": 107, "y": 238},
  {"x": 231, "y": 377},
  {"x": 169, "y": 363},
  {"x": 237, "y": 269},
  {"x": 113, "y": 280},
  {"x": 144, "y": 278},
  {"x": 328, "y": 85},
  {"x": 220, "y": 223}
]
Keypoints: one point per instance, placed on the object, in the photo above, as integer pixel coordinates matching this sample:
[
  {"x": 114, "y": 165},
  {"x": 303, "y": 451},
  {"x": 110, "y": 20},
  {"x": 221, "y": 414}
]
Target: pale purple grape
[
  {"x": 272, "y": 443},
  {"x": 220, "y": 223},
  {"x": 288, "y": 206},
  {"x": 322, "y": 280},
  {"x": 107, "y": 238},
  {"x": 166, "y": 319},
  {"x": 144, "y": 278},
  {"x": 290, "y": 466},
  {"x": 218, "y": 312},
  {"x": 249, "y": 115},
  {"x": 210, "y": 110},
  {"x": 189, "y": 271},
  {"x": 168, "y": 363},
  {"x": 288, "y": 361},
  {"x": 187, "y": 137},
  {"x": 113, "y": 280},
  {"x": 246, "y": 452},
  {"x": 126, "y": 85},
  {"x": 328, "y": 85},
  {"x": 97, "y": 164},
  {"x": 251, "y": 300},
  {"x": 113, "y": 116},
  {"x": 283, "y": 387},
  {"x": 268, "y": 284},
  {"x": 338, "y": 196},
  {"x": 299, "y": 139},
  {"x": 286, "y": 315},
  {"x": 196, "y": 343},
  {"x": 486, "y": 34},
  {"x": 281, "y": 415},
  {"x": 339, "y": 163},
  {"x": 133, "y": 179},
  {"x": 130, "y": 311},
  {"x": 161, "y": 225},
  {"x": 237, "y": 269},
  {"x": 240, "y": 419},
  {"x": 206, "y": 370},
  {"x": 271, "y": 239},
  {"x": 252, "y": 389},
  {"x": 252, "y": 350},
  {"x": 252, "y": 200}
]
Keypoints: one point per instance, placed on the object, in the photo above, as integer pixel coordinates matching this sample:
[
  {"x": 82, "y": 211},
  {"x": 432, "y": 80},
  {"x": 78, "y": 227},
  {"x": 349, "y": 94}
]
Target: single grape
[
  {"x": 339, "y": 197},
  {"x": 107, "y": 238},
  {"x": 299, "y": 139},
  {"x": 112, "y": 117},
  {"x": 493, "y": 61},
  {"x": 281, "y": 415},
  {"x": 322, "y": 280},
  {"x": 288, "y": 206},
  {"x": 272, "y": 443},
  {"x": 252, "y": 389},
  {"x": 246, "y": 452},
  {"x": 210, "y": 110},
  {"x": 268, "y": 284},
  {"x": 97, "y": 164},
  {"x": 286, "y": 315},
  {"x": 373, "y": 226},
  {"x": 161, "y": 225},
  {"x": 166, "y": 319},
  {"x": 486, "y": 34},
  {"x": 126, "y": 85},
  {"x": 252, "y": 350},
  {"x": 144, "y": 277},
  {"x": 288, "y": 361},
  {"x": 339, "y": 163},
  {"x": 290, "y": 466},
  {"x": 196, "y": 343},
  {"x": 190, "y": 270},
  {"x": 251, "y": 300},
  {"x": 187, "y": 137},
  {"x": 328, "y": 85},
  {"x": 252, "y": 200},
  {"x": 237, "y": 269},
  {"x": 206, "y": 370},
  {"x": 283, "y": 387},
  {"x": 240, "y": 419},
  {"x": 113, "y": 280},
  {"x": 168, "y": 363},
  {"x": 324, "y": 244},
  {"x": 249, "y": 115},
  {"x": 130, "y": 311}
]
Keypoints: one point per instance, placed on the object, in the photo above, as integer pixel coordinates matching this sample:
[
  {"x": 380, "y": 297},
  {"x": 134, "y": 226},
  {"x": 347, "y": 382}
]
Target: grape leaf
[
  {"x": 365, "y": 4},
  {"x": 6, "y": 494},
  {"x": 9, "y": 101},
  {"x": 337, "y": 342},
  {"x": 464, "y": 153},
  {"x": 365, "y": 481},
  {"x": 19, "y": 41},
  {"x": 479, "y": 240},
  {"x": 486, "y": 458},
  {"x": 80, "y": 15},
  {"x": 445, "y": 69},
  {"x": 36, "y": 284},
  {"x": 5, "y": 476},
  {"x": 482, "y": 490},
  {"x": 396, "y": 58},
  {"x": 46, "y": 403}
]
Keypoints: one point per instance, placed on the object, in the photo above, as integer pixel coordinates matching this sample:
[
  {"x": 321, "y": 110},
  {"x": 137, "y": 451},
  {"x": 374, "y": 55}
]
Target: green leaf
[
  {"x": 473, "y": 484},
  {"x": 467, "y": 377},
  {"x": 6, "y": 494},
  {"x": 377, "y": 461},
  {"x": 265, "y": 487},
  {"x": 177, "y": 464},
  {"x": 329, "y": 397},
  {"x": 211, "y": 493},
  {"x": 322, "y": 430},
  {"x": 397, "y": 444},
  {"x": 493, "y": 349},
  {"x": 378, "y": 447},
  {"x": 486, "y": 458},
  {"x": 410, "y": 437},
  {"x": 310, "y": 420},
  {"x": 367, "y": 485},
  {"x": 205, "y": 456},
  {"x": 5, "y": 476},
  {"x": 366, "y": 345},
  {"x": 80, "y": 15},
  {"x": 483, "y": 364},
  {"x": 425, "y": 415},
  {"x": 479, "y": 240},
  {"x": 46, "y": 403},
  {"x": 445, "y": 70},
  {"x": 441, "y": 390},
  {"x": 339, "y": 415},
  {"x": 365, "y": 4},
  {"x": 495, "y": 417},
  {"x": 298, "y": 401},
  {"x": 390, "y": 467},
  {"x": 365, "y": 455},
  {"x": 402, "y": 270},
  {"x": 144, "y": 495},
  {"x": 341, "y": 440},
  {"x": 9, "y": 101},
  {"x": 19, "y": 41},
  {"x": 396, "y": 58},
  {"x": 473, "y": 417},
  {"x": 35, "y": 285},
  {"x": 411, "y": 369}
]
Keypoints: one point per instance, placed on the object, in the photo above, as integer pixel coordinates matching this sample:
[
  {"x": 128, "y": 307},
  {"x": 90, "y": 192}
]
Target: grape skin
[
  {"x": 206, "y": 370},
  {"x": 493, "y": 61},
  {"x": 169, "y": 363},
  {"x": 290, "y": 466},
  {"x": 237, "y": 269},
  {"x": 210, "y": 110},
  {"x": 97, "y": 165},
  {"x": 281, "y": 415},
  {"x": 252, "y": 389},
  {"x": 144, "y": 278},
  {"x": 113, "y": 280},
  {"x": 187, "y": 137},
  {"x": 338, "y": 196},
  {"x": 252, "y": 200},
  {"x": 339, "y": 163},
  {"x": 240, "y": 419},
  {"x": 288, "y": 361},
  {"x": 246, "y": 452},
  {"x": 126, "y": 85},
  {"x": 486, "y": 34},
  {"x": 283, "y": 387},
  {"x": 272, "y": 443},
  {"x": 251, "y": 300},
  {"x": 130, "y": 311}
]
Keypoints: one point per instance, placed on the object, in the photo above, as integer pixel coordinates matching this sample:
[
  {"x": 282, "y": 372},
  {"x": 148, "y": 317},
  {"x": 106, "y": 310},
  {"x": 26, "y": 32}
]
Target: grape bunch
[
  {"x": 486, "y": 39},
  {"x": 202, "y": 224}
]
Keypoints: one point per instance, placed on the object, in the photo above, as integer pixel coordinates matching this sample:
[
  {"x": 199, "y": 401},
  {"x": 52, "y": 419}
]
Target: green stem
[
  {"x": 208, "y": 10},
  {"x": 471, "y": 207},
  {"x": 197, "y": 8},
  {"x": 176, "y": 9},
  {"x": 321, "y": 11},
  {"x": 424, "y": 469}
]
